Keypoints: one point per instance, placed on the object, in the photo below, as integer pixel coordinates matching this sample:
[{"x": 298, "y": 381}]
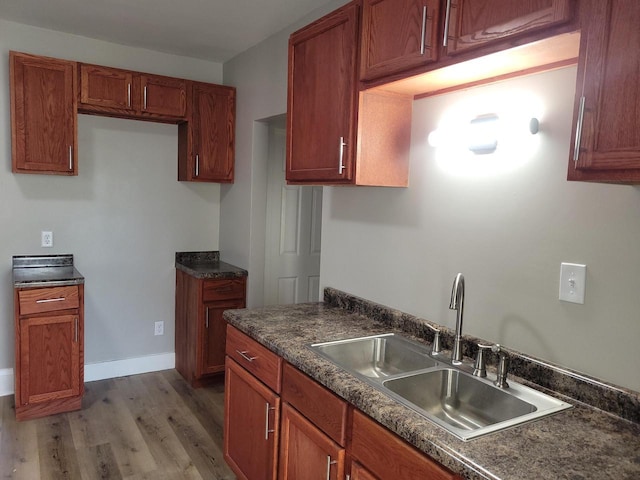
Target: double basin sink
[{"x": 465, "y": 405}]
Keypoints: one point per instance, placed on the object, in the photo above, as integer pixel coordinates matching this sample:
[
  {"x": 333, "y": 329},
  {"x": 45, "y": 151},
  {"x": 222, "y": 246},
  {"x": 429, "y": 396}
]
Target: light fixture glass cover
[{"x": 482, "y": 137}]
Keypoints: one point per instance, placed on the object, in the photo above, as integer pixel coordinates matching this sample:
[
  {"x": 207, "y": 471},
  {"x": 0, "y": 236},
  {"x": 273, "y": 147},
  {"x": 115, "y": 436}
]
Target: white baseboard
[
  {"x": 6, "y": 381},
  {"x": 104, "y": 370}
]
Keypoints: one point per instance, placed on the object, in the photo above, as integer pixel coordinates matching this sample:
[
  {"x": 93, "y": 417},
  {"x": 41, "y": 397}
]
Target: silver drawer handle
[
  {"x": 424, "y": 29},
  {"x": 341, "y": 146},
  {"x": 244, "y": 355},
  {"x": 49, "y": 300},
  {"x": 447, "y": 15},
  {"x": 267, "y": 430}
]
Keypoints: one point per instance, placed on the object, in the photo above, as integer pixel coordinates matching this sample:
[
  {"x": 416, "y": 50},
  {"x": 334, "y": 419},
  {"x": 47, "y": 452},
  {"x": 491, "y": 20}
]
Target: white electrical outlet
[
  {"x": 159, "y": 330},
  {"x": 46, "y": 239},
  {"x": 572, "y": 282}
]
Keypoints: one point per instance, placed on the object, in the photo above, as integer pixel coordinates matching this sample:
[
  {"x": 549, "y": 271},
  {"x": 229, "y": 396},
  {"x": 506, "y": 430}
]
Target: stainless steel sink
[
  {"x": 464, "y": 405},
  {"x": 379, "y": 356}
]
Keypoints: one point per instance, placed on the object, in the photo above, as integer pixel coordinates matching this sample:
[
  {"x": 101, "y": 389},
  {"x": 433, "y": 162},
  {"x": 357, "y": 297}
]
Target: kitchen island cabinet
[
  {"x": 43, "y": 115},
  {"x": 605, "y": 143}
]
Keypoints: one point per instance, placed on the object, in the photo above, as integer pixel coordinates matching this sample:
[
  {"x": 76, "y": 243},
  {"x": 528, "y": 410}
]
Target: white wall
[
  {"x": 507, "y": 233},
  {"x": 260, "y": 76},
  {"x": 123, "y": 217}
]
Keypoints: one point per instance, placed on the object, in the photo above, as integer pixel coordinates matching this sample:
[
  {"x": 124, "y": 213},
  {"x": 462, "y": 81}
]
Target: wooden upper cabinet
[
  {"x": 322, "y": 98},
  {"x": 164, "y": 96},
  {"x": 474, "y": 23},
  {"x": 607, "y": 117},
  {"x": 103, "y": 89},
  {"x": 43, "y": 115},
  {"x": 398, "y": 35},
  {"x": 206, "y": 150}
]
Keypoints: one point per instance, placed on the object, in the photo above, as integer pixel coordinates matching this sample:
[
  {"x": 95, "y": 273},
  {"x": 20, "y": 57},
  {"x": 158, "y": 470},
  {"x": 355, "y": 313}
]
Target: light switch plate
[{"x": 572, "y": 282}]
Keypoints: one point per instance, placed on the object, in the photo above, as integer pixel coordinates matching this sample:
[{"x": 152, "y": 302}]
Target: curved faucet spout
[{"x": 457, "y": 304}]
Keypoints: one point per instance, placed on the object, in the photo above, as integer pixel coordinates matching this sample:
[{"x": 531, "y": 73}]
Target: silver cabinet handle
[
  {"x": 576, "y": 146},
  {"x": 341, "y": 166},
  {"x": 447, "y": 15},
  {"x": 197, "y": 165},
  {"x": 207, "y": 318},
  {"x": 329, "y": 463},
  {"x": 144, "y": 100},
  {"x": 128, "y": 95},
  {"x": 244, "y": 355},
  {"x": 70, "y": 157},
  {"x": 267, "y": 431},
  {"x": 424, "y": 29},
  {"x": 76, "y": 329},
  {"x": 49, "y": 300}
]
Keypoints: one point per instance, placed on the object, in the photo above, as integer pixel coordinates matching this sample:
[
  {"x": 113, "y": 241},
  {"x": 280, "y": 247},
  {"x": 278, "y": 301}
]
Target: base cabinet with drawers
[
  {"x": 280, "y": 423},
  {"x": 200, "y": 328},
  {"x": 49, "y": 329}
]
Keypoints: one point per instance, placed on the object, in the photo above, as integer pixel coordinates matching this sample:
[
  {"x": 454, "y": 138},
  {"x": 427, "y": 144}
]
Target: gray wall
[
  {"x": 123, "y": 217},
  {"x": 506, "y": 231}
]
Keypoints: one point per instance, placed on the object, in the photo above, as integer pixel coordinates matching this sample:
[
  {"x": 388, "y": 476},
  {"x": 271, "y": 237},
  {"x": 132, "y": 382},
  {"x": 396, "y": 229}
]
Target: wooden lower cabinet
[
  {"x": 305, "y": 452},
  {"x": 200, "y": 328},
  {"x": 387, "y": 456},
  {"x": 358, "y": 472},
  {"x": 296, "y": 429},
  {"x": 252, "y": 414},
  {"x": 49, "y": 374}
]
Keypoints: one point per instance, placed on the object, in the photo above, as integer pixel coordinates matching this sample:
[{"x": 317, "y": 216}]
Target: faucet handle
[
  {"x": 480, "y": 365},
  {"x": 503, "y": 367},
  {"x": 435, "y": 347}
]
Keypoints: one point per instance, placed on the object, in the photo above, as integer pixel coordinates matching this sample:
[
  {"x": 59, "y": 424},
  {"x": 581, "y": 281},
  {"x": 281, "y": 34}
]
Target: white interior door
[{"x": 294, "y": 219}]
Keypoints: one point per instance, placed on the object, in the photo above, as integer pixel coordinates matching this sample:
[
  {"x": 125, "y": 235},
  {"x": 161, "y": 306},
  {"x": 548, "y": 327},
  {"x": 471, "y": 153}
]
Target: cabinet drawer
[
  {"x": 327, "y": 411},
  {"x": 48, "y": 299},
  {"x": 371, "y": 444},
  {"x": 262, "y": 363},
  {"x": 223, "y": 289}
]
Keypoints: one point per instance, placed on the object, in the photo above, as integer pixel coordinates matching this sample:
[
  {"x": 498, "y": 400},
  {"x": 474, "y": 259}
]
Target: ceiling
[{"x": 214, "y": 30}]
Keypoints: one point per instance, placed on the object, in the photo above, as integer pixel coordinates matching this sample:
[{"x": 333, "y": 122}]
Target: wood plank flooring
[{"x": 150, "y": 426}]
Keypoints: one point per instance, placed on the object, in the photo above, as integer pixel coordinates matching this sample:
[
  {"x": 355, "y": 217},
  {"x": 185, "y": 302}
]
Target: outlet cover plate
[{"x": 46, "y": 239}]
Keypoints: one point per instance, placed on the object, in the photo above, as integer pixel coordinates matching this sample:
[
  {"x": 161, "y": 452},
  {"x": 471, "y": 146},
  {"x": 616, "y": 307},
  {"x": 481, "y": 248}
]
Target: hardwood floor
[{"x": 150, "y": 426}]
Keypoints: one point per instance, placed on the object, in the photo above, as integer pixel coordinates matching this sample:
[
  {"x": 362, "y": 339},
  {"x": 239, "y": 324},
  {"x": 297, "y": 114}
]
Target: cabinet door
[
  {"x": 474, "y": 23},
  {"x": 252, "y": 416},
  {"x": 606, "y": 112},
  {"x": 358, "y": 472},
  {"x": 322, "y": 99},
  {"x": 104, "y": 88},
  {"x": 397, "y": 35},
  {"x": 305, "y": 452},
  {"x": 371, "y": 443},
  {"x": 163, "y": 96},
  {"x": 213, "y": 132},
  {"x": 214, "y": 337},
  {"x": 49, "y": 358},
  {"x": 43, "y": 115}
]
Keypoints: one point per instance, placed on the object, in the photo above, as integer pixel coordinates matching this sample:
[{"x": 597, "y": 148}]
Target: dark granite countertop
[
  {"x": 581, "y": 443},
  {"x": 207, "y": 265},
  {"x": 45, "y": 271}
]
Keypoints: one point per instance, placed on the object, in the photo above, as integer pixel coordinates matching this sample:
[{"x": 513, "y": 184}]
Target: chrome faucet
[{"x": 457, "y": 304}]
